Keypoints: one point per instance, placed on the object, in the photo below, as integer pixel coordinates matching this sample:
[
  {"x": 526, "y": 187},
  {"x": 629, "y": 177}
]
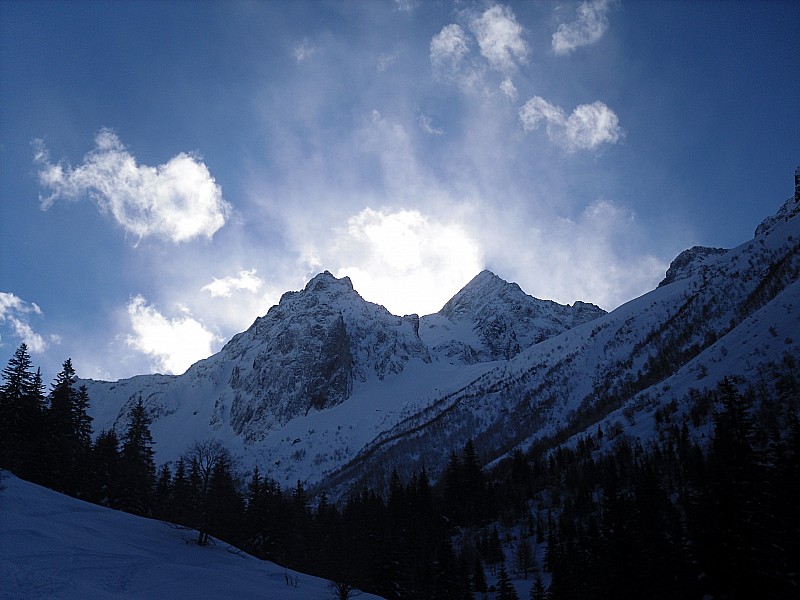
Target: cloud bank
[
  {"x": 587, "y": 127},
  {"x": 177, "y": 201},
  {"x": 588, "y": 28}
]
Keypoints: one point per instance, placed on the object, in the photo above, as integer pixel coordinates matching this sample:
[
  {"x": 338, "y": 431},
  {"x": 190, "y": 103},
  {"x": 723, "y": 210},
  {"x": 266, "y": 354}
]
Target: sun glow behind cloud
[
  {"x": 407, "y": 261},
  {"x": 174, "y": 343}
]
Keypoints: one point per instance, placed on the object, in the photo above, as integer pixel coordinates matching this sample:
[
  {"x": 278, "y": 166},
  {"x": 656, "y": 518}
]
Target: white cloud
[
  {"x": 448, "y": 50},
  {"x": 509, "y": 89},
  {"x": 587, "y": 127},
  {"x": 588, "y": 28},
  {"x": 387, "y": 60},
  {"x": 499, "y": 37},
  {"x": 177, "y": 201},
  {"x": 406, "y": 5},
  {"x": 403, "y": 259},
  {"x": 15, "y": 312},
  {"x": 426, "y": 123},
  {"x": 245, "y": 280},
  {"x": 175, "y": 343},
  {"x": 304, "y": 50}
]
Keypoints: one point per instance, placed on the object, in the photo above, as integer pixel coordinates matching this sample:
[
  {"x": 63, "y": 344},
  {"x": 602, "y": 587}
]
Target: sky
[{"x": 169, "y": 168}]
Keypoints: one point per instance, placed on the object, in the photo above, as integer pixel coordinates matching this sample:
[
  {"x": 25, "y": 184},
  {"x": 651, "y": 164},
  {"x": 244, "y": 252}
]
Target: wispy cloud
[
  {"x": 246, "y": 280},
  {"x": 16, "y": 313},
  {"x": 406, "y": 5},
  {"x": 177, "y": 201},
  {"x": 174, "y": 343},
  {"x": 304, "y": 50},
  {"x": 426, "y": 124},
  {"x": 500, "y": 38},
  {"x": 588, "y": 28},
  {"x": 386, "y": 60},
  {"x": 593, "y": 256},
  {"x": 587, "y": 127},
  {"x": 509, "y": 89},
  {"x": 448, "y": 50}
]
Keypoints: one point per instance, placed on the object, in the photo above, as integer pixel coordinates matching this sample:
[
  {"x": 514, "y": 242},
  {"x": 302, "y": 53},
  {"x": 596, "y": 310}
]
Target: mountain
[
  {"x": 728, "y": 314},
  {"x": 688, "y": 262},
  {"x": 491, "y": 319},
  {"x": 336, "y": 391},
  {"x": 324, "y": 372}
]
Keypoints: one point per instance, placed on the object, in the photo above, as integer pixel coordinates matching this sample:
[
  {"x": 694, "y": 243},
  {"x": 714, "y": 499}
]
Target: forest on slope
[{"x": 708, "y": 507}]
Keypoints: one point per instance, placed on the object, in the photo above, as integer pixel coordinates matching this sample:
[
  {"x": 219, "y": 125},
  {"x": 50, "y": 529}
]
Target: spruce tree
[
  {"x": 21, "y": 410},
  {"x": 63, "y": 448},
  {"x": 137, "y": 464},
  {"x": 180, "y": 505},
  {"x": 538, "y": 591},
  {"x": 106, "y": 470},
  {"x": 505, "y": 589},
  {"x": 162, "y": 498},
  {"x": 82, "y": 437}
]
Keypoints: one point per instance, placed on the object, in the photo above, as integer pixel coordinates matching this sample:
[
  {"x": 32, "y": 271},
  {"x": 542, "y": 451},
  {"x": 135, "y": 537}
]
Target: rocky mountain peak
[
  {"x": 492, "y": 319},
  {"x": 478, "y": 292},
  {"x": 327, "y": 281},
  {"x": 688, "y": 261},
  {"x": 788, "y": 209}
]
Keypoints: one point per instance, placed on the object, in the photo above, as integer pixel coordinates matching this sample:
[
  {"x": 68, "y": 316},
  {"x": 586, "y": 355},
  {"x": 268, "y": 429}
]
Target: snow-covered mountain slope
[
  {"x": 324, "y": 372},
  {"x": 736, "y": 314},
  {"x": 491, "y": 319},
  {"x": 53, "y": 546},
  {"x": 336, "y": 391}
]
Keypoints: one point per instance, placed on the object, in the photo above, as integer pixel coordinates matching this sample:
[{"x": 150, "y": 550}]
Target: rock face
[
  {"x": 307, "y": 352},
  {"x": 491, "y": 319},
  {"x": 318, "y": 346},
  {"x": 788, "y": 210},
  {"x": 688, "y": 262}
]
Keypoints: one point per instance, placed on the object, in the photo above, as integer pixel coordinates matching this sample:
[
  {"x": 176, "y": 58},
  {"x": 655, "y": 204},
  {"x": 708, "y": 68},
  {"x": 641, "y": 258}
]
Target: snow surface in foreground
[{"x": 54, "y": 546}]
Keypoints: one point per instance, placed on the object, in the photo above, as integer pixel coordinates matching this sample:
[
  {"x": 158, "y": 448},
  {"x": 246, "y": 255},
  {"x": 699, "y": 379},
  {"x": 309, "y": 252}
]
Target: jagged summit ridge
[
  {"x": 492, "y": 319},
  {"x": 310, "y": 350},
  {"x": 688, "y": 262}
]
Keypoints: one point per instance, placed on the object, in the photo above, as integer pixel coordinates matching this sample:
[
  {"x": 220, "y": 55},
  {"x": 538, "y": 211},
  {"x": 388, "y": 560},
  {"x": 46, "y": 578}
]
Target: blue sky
[{"x": 168, "y": 169}]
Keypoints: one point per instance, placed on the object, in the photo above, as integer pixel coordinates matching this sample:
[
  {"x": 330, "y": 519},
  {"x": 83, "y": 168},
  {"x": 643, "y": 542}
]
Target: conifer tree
[
  {"x": 224, "y": 505},
  {"x": 138, "y": 468},
  {"x": 478, "y": 577},
  {"x": 63, "y": 446},
  {"x": 82, "y": 436},
  {"x": 505, "y": 589},
  {"x": 106, "y": 470},
  {"x": 538, "y": 591},
  {"x": 21, "y": 410},
  {"x": 182, "y": 496},
  {"x": 162, "y": 498}
]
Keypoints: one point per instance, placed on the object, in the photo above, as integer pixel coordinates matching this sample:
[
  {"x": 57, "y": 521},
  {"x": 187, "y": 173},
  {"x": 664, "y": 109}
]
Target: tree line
[{"x": 602, "y": 517}]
